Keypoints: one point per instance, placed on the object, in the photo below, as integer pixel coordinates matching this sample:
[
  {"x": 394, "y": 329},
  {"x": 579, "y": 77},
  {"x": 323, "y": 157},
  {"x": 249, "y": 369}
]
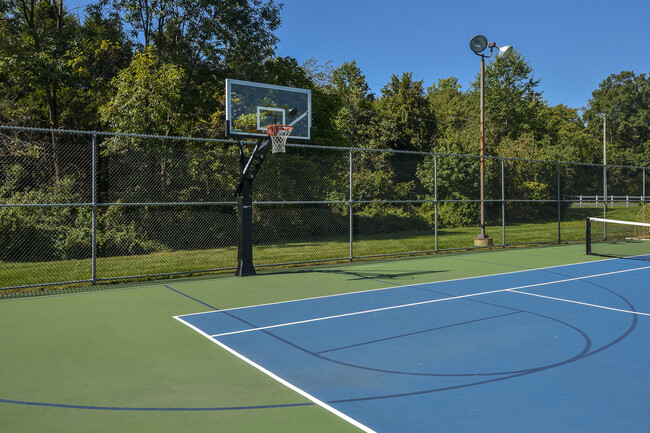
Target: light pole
[{"x": 478, "y": 44}]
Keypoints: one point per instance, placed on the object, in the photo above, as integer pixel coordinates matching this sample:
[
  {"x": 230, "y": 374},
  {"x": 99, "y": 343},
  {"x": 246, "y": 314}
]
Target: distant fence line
[
  {"x": 83, "y": 207},
  {"x": 611, "y": 200}
]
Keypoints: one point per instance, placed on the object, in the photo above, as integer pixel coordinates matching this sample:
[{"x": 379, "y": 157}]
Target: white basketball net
[{"x": 279, "y": 135}]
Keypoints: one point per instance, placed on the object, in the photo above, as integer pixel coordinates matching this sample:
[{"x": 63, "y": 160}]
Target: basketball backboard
[{"x": 252, "y": 107}]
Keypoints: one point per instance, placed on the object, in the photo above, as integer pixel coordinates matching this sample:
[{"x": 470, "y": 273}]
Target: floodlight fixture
[
  {"x": 478, "y": 43},
  {"x": 504, "y": 52}
]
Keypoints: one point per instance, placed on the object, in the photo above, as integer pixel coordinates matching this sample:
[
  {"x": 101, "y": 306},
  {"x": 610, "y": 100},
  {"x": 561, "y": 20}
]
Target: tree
[
  {"x": 399, "y": 120},
  {"x": 404, "y": 120},
  {"x": 37, "y": 36},
  {"x": 147, "y": 96},
  {"x": 318, "y": 73},
  {"x": 284, "y": 71},
  {"x": 456, "y": 117},
  {"x": 511, "y": 98},
  {"x": 55, "y": 72},
  {"x": 356, "y": 112},
  {"x": 96, "y": 57},
  {"x": 624, "y": 99},
  {"x": 146, "y": 101},
  {"x": 564, "y": 136},
  {"x": 211, "y": 32},
  {"x": 210, "y": 40}
]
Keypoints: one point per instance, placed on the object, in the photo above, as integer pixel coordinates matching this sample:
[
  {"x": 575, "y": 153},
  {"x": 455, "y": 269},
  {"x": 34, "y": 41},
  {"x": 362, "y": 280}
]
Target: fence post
[
  {"x": 503, "y": 202},
  {"x": 559, "y": 207},
  {"x": 351, "y": 208},
  {"x": 580, "y": 200},
  {"x": 93, "y": 241},
  {"x": 435, "y": 197}
]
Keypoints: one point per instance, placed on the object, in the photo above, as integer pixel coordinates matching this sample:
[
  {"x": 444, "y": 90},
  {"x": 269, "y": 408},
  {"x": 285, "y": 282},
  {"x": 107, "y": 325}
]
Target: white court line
[
  {"x": 452, "y": 298},
  {"x": 397, "y": 287},
  {"x": 282, "y": 381},
  {"x": 581, "y": 303}
]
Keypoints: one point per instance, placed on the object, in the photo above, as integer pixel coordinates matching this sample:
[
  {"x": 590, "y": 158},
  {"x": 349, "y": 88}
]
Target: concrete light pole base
[{"x": 482, "y": 240}]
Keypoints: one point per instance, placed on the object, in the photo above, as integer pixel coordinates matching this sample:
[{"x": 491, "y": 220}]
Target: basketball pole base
[
  {"x": 245, "y": 268},
  {"x": 245, "y": 265}
]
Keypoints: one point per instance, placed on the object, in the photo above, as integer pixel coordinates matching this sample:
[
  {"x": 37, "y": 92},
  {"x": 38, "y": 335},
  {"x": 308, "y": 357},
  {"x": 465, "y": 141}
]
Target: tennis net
[{"x": 613, "y": 238}]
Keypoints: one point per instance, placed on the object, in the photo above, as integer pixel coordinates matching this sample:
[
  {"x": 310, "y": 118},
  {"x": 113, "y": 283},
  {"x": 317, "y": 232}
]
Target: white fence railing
[{"x": 612, "y": 200}]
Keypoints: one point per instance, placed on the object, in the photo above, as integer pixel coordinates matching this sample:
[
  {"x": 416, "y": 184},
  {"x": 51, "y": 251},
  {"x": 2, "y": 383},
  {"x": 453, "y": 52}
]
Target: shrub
[
  {"x": 457, "y": 214},
  {"x": 44, "y": 233},
  {"x": 380, "y": 218}
]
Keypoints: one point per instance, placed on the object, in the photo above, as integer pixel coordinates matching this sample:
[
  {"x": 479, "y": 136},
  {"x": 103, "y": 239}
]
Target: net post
[{"x": 588, "y": 236}]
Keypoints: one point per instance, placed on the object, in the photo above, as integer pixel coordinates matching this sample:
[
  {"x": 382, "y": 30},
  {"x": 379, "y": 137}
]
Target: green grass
[
  {"x": 572, "y": 229},
  {"x": 122, "y": 348}
]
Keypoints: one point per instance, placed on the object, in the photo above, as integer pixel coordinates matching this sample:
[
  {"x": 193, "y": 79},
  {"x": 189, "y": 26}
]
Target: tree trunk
[{"x": 52, "y": 109}]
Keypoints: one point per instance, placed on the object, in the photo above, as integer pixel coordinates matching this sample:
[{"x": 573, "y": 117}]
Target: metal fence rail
[{"x": 79, "y": 207}]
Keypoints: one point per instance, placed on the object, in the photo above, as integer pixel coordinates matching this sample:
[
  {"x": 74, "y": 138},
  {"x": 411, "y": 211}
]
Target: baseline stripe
[
  {"x": 413, "y": 304},
  {"x": 581, "y": 303}
]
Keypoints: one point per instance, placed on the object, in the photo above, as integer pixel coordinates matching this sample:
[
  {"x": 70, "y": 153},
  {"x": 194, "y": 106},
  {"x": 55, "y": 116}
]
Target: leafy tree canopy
[
  {"x": 356, "y": 110},
  {"x": 511, "y": 96},
  {"x": 404, "y": 119},
  {"x": 624, "y": 100},
  {"x": 147, "y": 96},
  {"x": 215, "y": 33}
]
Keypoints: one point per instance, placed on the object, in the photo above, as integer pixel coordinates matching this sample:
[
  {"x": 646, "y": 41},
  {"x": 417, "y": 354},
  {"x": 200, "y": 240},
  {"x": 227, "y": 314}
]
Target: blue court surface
[{"x": 562, "y": 349}]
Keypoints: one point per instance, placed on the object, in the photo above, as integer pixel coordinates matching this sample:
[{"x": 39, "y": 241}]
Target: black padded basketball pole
[{"x": 249, "y": 166}]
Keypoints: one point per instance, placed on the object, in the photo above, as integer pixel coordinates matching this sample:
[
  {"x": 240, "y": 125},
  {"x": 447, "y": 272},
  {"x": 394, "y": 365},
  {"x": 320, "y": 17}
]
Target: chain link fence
[{"x": 80, "y": 208}]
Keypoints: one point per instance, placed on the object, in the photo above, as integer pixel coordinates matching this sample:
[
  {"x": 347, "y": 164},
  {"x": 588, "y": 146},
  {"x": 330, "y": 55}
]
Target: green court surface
[{"x": 115, "y": 359}]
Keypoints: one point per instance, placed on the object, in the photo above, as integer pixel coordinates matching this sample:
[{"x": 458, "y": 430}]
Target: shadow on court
[{"x": 362, "y": 275}]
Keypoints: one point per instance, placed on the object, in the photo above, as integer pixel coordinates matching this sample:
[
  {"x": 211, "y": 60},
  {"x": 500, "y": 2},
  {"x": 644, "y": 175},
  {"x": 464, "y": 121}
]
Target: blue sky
[{"x": 572, "y": 45}]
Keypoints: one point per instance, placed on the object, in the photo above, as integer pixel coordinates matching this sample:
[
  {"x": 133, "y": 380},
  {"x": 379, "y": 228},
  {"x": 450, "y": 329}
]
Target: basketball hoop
[{"x": 279, "y": 135}]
